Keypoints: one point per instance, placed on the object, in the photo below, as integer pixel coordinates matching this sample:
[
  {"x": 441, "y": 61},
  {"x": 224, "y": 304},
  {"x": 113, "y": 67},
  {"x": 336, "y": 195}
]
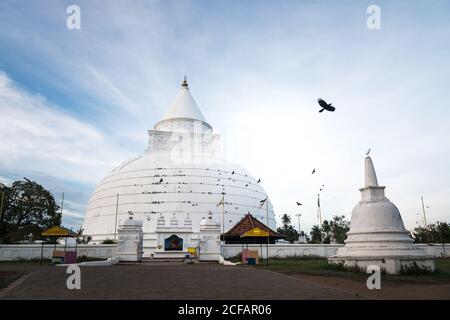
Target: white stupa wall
[
  {"x": 194, "y": 177},
  {"x": 377, "y": 235}
]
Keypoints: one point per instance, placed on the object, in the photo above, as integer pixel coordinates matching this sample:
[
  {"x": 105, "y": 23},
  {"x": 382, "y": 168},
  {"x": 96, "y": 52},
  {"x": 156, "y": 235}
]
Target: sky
[{"x": 75, "y": 103}]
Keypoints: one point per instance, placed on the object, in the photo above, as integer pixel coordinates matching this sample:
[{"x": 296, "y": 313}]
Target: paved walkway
[{"x": 160, "y": 281}]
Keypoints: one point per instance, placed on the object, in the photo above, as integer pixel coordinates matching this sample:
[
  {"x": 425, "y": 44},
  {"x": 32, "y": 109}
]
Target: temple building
[
  {"x": 181, "y": 178},
  {"x": 251, "y": 231},
  {"x": 377, "y": 235}
]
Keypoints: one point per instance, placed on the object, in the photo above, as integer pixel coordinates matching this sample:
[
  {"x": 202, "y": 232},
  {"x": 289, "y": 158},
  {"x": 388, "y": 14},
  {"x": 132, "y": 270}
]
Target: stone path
[{"x": 168, "y": 281}]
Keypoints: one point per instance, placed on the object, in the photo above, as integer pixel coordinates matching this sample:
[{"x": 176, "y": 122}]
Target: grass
[{"x": 319, "y": 266}]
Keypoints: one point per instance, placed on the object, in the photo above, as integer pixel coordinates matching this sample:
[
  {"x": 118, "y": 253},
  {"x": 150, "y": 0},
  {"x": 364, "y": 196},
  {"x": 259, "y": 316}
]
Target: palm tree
[
  {"x": 286, "y": 220},
  {"x": 316, "y": 234}
]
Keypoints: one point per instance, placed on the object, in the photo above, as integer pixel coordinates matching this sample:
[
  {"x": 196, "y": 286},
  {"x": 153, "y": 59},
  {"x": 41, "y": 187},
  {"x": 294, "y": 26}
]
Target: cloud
[
  {"x": 38, "y": 135},
  {"x": 42, "y": 142},
  {"x": 6, "y": 181},
  {"x": 86, "y": 98}
]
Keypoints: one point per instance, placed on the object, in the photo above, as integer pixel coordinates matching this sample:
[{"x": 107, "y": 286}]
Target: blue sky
[{"x": 73, "y": 104}]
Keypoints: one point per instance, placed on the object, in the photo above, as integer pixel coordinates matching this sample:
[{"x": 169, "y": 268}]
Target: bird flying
[
  {"x": 325, "y": 105},
  {"x": 298, "y": 203},
  {"x": 259, "y": 180},
  {"x": 314, "y": 171}
]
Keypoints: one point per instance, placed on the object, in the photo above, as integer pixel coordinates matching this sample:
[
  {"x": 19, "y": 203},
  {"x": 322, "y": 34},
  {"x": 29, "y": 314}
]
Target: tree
[
  {"x": 326, "y": 231},
  {"x": 285, "y": 220},
  {"x": 339, "y": 228},
  {"x": 335, "y": 229},
  {"x": 83, "y": 238},
  {"x": 28, "y": 207},
  {"x": 438, "y": 232},
  {"x": 287, "y": 230},
  {"x": 316, "y": 234}
]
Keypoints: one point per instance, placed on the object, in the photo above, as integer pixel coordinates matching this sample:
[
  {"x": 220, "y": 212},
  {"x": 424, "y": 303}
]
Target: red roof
[{"x": 247, "y": 223}]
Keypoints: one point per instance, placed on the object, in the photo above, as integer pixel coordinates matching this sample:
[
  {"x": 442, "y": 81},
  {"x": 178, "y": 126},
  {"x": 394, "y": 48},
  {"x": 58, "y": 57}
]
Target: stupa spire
[
  {"x": 184, "y": 84},
  {"x": 184, "y": 105},
  {"x": 370, "y": 174}
]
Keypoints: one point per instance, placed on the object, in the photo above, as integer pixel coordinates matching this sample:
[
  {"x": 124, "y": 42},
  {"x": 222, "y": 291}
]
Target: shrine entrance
[{"x": 173, "y": 243}]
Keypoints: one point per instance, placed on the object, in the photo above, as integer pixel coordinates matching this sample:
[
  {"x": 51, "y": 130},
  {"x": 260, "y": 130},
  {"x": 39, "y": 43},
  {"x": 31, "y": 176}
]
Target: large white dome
[{"x": 181, "y": 172}]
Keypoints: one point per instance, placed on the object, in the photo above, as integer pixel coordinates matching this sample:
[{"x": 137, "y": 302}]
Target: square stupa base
[{"x": 388, "y": 265}]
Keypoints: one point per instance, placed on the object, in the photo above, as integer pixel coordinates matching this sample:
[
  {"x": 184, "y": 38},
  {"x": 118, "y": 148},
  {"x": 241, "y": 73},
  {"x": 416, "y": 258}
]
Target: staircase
[{"x": 167, "y": 256}]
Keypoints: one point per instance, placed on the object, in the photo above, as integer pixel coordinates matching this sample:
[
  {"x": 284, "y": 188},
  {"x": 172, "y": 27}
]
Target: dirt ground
[
  {"x": 389, "y": 290},
  {"x": 165, "y": 281},
  {"x": 199, "y": 282}
]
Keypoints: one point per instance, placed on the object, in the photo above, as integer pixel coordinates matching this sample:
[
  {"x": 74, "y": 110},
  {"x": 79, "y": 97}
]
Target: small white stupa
[{"x": 377, "y": 235}]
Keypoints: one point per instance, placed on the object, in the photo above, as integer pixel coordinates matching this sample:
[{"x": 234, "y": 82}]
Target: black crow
[{"x": 325, "y": 106}]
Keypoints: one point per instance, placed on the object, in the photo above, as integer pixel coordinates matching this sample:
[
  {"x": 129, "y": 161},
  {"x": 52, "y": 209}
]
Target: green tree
[
  {"x": 285, "y": 220},
  {"x": 83, "y": 238},
  {"x": 28, "y": 207},
  {"x": 287, "y": 230},
  {"x": 339, "y": 228},
  {"x": 316, "y": 234},
  {"x": 326, "y": 231},
  {"x": 438, "y": 232}
]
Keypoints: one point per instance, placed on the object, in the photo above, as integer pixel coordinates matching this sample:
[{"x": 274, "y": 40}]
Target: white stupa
[
  {"x": 180, "y": 177},
  {"x": 377, "y": 235}
]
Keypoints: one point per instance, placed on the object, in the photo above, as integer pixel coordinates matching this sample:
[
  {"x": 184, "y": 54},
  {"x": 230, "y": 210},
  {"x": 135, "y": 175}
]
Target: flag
[
  {"x": 221, "y": 201},
  {"x": 261, "y": 203},
  {"x": 319, "y": 213}
]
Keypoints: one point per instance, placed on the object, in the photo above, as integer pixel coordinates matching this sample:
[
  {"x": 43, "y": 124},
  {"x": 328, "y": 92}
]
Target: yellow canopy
[
  {"x": 59, "y": 232},
  {"x": 256, "y": 232}
]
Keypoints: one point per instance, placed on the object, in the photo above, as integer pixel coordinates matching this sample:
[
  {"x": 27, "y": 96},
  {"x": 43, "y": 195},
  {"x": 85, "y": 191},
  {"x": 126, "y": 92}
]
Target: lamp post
[
  {"x": 115, "y": 224},
  {"x": 1, "y": 205},
  {"x": 62, "y": 203},
  {"x": 299, "y": 215},
  {"x": 299, "y": 229},
  {"x": 268, "y": 229},
  {"x": 319, "y": 211}
]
